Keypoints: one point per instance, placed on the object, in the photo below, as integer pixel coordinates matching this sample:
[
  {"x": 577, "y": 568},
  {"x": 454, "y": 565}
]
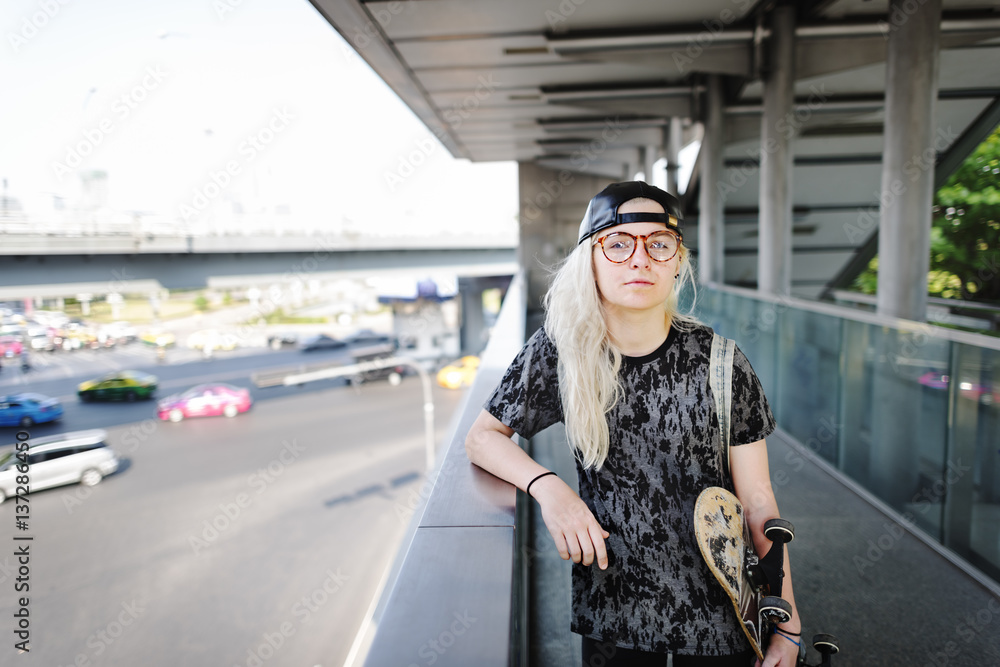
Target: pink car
[
  {"x": 10, "y": 346},
  {"x": 205, "y": 400},
  {"x": 984, "y": 394}
]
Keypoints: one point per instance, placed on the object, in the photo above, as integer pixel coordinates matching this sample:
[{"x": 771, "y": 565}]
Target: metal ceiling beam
[
  {"x": 964, "y": 146},
  {"x": 571, "y": 95},
  {"x": 567, "y": 43}
]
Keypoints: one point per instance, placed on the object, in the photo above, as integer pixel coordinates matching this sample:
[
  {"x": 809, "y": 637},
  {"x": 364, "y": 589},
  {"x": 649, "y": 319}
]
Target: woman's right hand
[{"x": 572, "y": 525}]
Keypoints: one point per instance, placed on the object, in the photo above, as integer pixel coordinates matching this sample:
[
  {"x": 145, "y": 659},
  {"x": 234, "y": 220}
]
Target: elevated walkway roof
[{"x": 587, "y": 87}]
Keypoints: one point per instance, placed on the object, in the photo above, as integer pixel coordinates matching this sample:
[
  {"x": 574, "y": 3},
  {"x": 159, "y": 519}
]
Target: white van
[{"x": 82, "y": 456}]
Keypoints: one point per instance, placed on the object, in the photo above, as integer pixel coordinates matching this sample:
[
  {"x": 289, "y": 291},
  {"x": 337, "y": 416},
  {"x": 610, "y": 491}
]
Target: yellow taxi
[
  {"x": 459, "y": 373},
  {"x": 213, "y": 339},
  {"x": 120, "y": 386},
  {"x": 158, "y": 338}
]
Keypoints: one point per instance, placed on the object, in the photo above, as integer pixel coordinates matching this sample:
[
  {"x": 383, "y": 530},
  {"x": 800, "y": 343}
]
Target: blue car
[{"x": 26, "y": 410}]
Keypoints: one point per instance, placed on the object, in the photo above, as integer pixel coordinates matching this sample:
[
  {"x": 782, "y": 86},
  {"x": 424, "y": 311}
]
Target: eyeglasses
[{"x": 619, "y": 247}]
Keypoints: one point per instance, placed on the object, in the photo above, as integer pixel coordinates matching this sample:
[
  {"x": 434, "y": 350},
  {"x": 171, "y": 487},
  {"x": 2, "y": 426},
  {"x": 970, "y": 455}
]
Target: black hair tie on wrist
[{"x": 544, "y": 474}]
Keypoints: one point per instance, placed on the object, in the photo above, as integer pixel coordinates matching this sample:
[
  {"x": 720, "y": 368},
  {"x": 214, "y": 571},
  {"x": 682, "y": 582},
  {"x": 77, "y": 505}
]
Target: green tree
[
  {"x": 965, "y": 240},
  {"x": 965, "y": 232}
]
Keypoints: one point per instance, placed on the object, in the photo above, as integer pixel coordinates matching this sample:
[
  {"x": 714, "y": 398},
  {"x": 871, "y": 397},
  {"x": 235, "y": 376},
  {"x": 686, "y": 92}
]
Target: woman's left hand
[{"x": 781, "y": 652}]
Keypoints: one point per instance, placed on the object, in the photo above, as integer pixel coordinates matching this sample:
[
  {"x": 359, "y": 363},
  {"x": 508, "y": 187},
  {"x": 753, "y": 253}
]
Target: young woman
[{"x": 628, "y": 376}]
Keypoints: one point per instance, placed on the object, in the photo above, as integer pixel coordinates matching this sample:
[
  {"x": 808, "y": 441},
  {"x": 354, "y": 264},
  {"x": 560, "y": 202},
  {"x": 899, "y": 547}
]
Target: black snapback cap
[{"x": 602, "y": 212}]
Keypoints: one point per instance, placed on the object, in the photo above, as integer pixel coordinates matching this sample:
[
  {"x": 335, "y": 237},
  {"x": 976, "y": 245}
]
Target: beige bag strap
[{"x": 720, "y": 379}]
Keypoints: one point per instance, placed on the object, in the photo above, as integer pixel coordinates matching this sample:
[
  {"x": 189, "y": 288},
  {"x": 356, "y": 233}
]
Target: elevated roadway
[{"x": 53, "y": 265}]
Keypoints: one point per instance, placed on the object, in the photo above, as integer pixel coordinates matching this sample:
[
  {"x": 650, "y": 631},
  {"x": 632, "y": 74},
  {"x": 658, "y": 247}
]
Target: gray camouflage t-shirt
[{"x": 657, "y": 593}]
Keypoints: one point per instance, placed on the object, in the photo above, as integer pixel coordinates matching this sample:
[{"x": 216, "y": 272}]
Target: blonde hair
[{"x": 589, "y": 362}]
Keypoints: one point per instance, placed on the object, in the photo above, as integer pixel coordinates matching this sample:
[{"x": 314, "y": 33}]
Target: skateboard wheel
[
  {"x": 779, "y": 530},
  {"x": 775, "y": 609},
  {"x": 826, "y": 644}
]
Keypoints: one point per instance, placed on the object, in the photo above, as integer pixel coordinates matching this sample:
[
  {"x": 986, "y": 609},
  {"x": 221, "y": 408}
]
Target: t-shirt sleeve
[
  {"x": 527, "y": 398},
  {"x": 751, "y": 417}
]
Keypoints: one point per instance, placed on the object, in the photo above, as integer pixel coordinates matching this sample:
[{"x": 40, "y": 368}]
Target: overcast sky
[{"x": 184, "y": 103}]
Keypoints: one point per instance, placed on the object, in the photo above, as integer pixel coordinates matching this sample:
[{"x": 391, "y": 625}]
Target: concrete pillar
[
  {"x": 774, "y": 254},
  {"x": 673, "y": 149},
  {"x": 711, "y": 245},
  {"x": 648, "y": 156},
  {"x": 473, "y": 328},
  {"x": 904, "y": 241},
  {"x": 552, "y": 204},
  {"x": 911, "y": 86}
]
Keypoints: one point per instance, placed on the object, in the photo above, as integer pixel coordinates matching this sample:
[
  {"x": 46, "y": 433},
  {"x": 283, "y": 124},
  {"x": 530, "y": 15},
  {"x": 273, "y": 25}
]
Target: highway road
[{"x": 257, "y": 540}]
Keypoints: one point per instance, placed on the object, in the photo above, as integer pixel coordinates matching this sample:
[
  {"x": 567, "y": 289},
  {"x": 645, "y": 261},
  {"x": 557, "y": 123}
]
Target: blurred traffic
[
  {"x": 83, "y": 457},
  {"x": 205, "y": 400},
  {"x": 56, "y": 371},
  {"x": 146, "y": 427},
  {"x": 459, "y": 373},
  {"x": 121, "y": 386},
  {"x": 27, "y": 409}
]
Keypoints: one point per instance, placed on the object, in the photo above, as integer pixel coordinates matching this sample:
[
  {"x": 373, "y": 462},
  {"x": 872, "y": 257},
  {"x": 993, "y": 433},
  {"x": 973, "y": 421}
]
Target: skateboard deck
[{"x": 723, "y": 537}]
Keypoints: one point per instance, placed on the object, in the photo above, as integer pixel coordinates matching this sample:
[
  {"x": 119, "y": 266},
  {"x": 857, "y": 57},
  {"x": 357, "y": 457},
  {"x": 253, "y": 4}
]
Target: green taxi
[{"x": 121, "y": 386}]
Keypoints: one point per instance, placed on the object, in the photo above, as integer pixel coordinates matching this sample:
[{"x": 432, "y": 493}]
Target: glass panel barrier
[
  {"x": 972, "y": 507},
  {"x": 809, "y": 368},
  {"x": 856, "y": 407},
  {"x": 910, "y": 412},
  {"x": 909, "y": 423}
]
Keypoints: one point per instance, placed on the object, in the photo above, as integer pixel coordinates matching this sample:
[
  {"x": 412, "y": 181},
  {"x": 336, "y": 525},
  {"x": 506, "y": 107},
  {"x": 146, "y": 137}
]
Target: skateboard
[{"x": 753, "y": 584}]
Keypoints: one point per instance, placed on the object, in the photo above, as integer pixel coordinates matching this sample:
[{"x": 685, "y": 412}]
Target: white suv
[{"x": 83, "y": 457}]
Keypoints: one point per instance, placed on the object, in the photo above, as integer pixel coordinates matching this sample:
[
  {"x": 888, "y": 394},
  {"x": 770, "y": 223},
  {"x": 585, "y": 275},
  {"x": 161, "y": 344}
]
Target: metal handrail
[{"x": 865, "y": 317}]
